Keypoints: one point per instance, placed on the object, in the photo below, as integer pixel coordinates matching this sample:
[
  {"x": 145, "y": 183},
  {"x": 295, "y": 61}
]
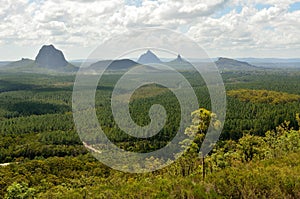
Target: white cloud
[
  {"x": 87, "y": 23},
  {"x": 252, "y": 30}
]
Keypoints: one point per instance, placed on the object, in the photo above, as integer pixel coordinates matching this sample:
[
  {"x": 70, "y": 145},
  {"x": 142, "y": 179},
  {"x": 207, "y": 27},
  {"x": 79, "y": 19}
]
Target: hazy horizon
[{"x": 163, "y": 57}]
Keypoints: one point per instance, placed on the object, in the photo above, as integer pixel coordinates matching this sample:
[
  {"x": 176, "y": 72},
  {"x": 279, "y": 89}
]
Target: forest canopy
[{"x": 263, "y": 96}]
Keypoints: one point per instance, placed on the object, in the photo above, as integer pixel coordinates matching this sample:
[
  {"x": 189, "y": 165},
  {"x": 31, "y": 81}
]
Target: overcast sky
[{"x": 233, "y": 28}]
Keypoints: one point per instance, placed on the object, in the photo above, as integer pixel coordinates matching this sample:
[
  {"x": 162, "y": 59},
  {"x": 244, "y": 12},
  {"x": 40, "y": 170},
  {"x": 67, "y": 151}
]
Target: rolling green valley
[{"x": 257, "y": 156}]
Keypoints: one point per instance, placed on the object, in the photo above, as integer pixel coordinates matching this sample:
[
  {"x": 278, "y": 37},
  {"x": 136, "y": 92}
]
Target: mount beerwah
[
  {"x": 48, "y": 60},
  {"x": 52, "y": 60},
  {"x": 50, "y": 57}
]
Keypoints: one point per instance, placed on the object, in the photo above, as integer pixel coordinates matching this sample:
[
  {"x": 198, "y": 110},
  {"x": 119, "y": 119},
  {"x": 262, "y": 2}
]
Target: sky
[{"x": 227, "y": 28}]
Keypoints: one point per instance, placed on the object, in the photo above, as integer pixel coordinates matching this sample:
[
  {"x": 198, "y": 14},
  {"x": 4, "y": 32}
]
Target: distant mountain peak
[
  {"x": 232, "y": 64},
  {"x": 148, "y": 58},
  {"x": 229, "y": 60},
  {"x": 50, "y": 57},
  {"x": 179, "y": 58},
  {"x": 149, "y": 52}
]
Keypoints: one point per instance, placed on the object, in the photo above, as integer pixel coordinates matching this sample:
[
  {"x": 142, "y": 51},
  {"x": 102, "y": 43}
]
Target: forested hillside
[{"x": 256, "y": 157}]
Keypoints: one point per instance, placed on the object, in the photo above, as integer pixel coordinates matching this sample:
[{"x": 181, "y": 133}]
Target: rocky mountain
[
  {"x": 180, "y": 64},
  {"x": 49, "y": 59},
  {"x": 231, "y": 64},
  {"x": 179, "y": 59},
  {"x": 149, "y": 58}
]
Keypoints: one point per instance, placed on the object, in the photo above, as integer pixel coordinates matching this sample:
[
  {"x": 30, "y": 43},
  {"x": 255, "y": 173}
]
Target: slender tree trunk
[{"x": 203, "y": 168}]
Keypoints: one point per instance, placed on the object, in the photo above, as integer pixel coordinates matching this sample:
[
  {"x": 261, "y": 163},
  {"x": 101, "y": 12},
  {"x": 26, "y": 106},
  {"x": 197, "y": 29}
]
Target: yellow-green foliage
[
  {"x": 251, "y": 167},
  {"x": 263, "y": 96},
  {"x": 144, "y": 92}
]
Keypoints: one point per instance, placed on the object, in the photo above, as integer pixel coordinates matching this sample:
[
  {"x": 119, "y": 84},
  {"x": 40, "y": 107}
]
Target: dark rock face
[
  {"x": 50, "y": 57},
  {"x": 148, "y": 58},
  {"x": 179, "y": 59},
  {"x": 180, "y": 64}
]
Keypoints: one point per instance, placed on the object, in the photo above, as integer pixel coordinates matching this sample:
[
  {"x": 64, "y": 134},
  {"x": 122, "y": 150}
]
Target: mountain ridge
[
  {"x": 224, "y": 63},
  {"x": 51, "y": 59},
  {"x": 120, "y": 64}
]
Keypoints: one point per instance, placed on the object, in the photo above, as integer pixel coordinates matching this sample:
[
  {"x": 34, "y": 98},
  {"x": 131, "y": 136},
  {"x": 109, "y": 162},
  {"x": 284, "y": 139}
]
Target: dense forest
[{"x": 257, "y": 156}]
